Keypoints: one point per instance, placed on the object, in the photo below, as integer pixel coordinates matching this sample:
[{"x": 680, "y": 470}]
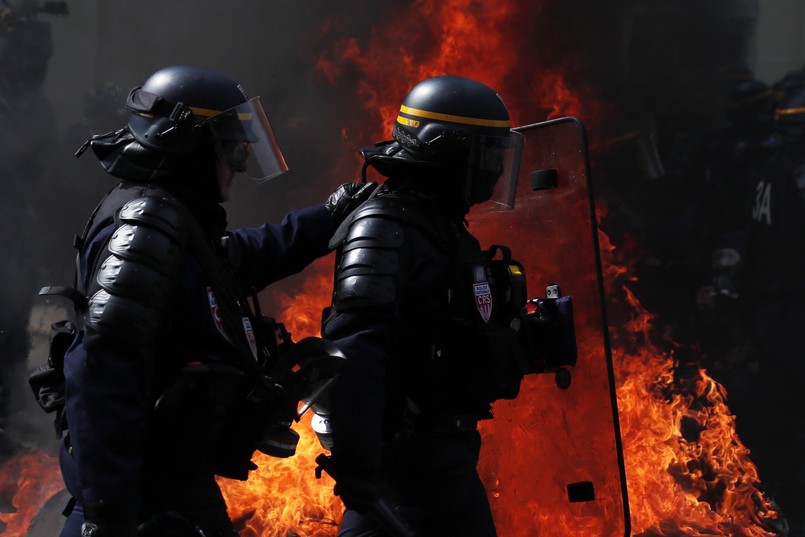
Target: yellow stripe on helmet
[
  {"x": 204, "y": 112},
  {"x": 408, "y": 121},
  {"x": 454, "y": 119},
  {"x": 778, "y": 113},
  {"x": 207, "y": 112}
]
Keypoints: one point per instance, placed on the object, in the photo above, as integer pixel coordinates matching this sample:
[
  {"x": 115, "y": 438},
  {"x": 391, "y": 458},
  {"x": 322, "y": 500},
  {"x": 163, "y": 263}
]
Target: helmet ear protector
[{"x": 173, "y": 125}]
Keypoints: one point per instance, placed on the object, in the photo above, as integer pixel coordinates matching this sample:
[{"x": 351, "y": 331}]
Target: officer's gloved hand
[
  {"x": 168, "y": 524},
  {"x": 346, "y": 199},
  {"x": 106, "y": 529},
  {"x": 105, "y": 520},
  {"x": 357, "y": 491}
]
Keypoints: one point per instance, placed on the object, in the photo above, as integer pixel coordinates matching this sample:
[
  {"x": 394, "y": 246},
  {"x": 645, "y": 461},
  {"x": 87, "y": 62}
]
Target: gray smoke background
[{"x": 66, "y": 68}]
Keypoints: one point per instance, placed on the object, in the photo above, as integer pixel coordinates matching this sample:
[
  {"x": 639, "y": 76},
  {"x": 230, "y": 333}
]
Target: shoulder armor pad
[
  {"x": 145, "y": 246},
  {"x": 160, "y": 212},
  {"x": 378, "y": 231},
  {"x": 121, "y": 318},
  {"x": 368, "y": 266},
  {"x": 388, "y": 207},
  {"x": 408, "y": 208},
  {"x": 133, "y": 283}
]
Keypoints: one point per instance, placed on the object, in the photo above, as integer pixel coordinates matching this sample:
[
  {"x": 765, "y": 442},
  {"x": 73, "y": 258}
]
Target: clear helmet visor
[
  {"x": 493, "y": 169},
  {"x": 245, "y": 141}
]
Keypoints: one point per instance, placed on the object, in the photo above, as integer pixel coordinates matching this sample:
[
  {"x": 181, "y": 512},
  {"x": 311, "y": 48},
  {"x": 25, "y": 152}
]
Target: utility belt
[
  {"x": 434, "y": 422},
  {"x": 429, "y": 439}
]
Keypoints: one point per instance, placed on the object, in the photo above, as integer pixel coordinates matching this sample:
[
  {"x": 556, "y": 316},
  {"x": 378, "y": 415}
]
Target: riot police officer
[
  {"x": 162, "y": 374},
  {"x": 774, "y": 278},
  {"x": 418, "y": 317}
]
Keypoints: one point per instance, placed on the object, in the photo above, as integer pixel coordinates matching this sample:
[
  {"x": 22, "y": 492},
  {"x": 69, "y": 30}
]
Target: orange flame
[
  {"x": 30, "y": 478},
  {"x": 283, "y": 497},
  {"x": 680, "y": 483}
]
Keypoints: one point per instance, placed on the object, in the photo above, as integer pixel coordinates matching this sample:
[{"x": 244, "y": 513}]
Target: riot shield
[{"x": 552, "y": 459}]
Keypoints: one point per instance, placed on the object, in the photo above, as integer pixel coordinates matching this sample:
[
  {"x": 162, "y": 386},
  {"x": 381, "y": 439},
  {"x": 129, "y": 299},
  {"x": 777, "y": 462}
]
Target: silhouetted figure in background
[
  {"x": 774, "y": 283},
  {"x": 27, "y": 136},
  {"x": 733, "y": 156}
]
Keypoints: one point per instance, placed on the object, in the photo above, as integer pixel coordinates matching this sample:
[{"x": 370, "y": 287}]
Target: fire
[
  {"x": 300, "y": 310},
  {"x": 687, "y": 471},
  {"x": 28, "y": 479},
  {"x": 283, "y": 497},
  {"x": 707, "y": 484}
]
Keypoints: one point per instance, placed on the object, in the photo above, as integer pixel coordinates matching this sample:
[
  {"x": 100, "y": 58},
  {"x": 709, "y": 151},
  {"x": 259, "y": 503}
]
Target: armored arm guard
[
  {"x": 130, "y": 287},
  {"x": 368, "y": 265}
]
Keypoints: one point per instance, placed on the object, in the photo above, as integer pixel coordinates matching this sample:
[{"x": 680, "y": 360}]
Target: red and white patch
[
  {"x": 483, "y": 299},
  {"x": 215, "y": 311}
]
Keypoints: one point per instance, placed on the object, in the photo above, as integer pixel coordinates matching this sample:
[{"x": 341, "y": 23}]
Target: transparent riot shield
[{"x": 552, "y": 458}]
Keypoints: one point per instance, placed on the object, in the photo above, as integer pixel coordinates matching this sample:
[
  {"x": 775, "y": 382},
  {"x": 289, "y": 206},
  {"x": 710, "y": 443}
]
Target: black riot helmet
[
  {"x": 181, "y": 107},
  {"x": 789, "y": 113},
  {"x": 456, "y": 123},
  {"x": 749, "y": 102}
]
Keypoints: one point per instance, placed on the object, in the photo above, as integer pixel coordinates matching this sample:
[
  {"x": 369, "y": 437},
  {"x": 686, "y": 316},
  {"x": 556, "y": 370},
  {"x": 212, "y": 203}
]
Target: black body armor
[{"x": 467, "y": 350}]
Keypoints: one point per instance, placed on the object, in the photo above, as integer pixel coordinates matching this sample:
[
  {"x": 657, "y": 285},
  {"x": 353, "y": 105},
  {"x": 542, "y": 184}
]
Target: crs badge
[
  {"x": 215, "y": 311},
  {"x": 483, "y": 299}
]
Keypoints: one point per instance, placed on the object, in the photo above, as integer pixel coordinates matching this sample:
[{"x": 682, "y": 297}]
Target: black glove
[
  {"x": 105, "y": 529},
  {"x": 104, "y": 520},
  {"x": 346, "y": 199},
  {"x": 364, "y": 494},
  {"x": 358, "y": 492}
]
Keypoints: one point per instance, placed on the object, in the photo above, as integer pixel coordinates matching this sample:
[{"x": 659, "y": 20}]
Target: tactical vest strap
[{"x": 70, "y": 293}]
